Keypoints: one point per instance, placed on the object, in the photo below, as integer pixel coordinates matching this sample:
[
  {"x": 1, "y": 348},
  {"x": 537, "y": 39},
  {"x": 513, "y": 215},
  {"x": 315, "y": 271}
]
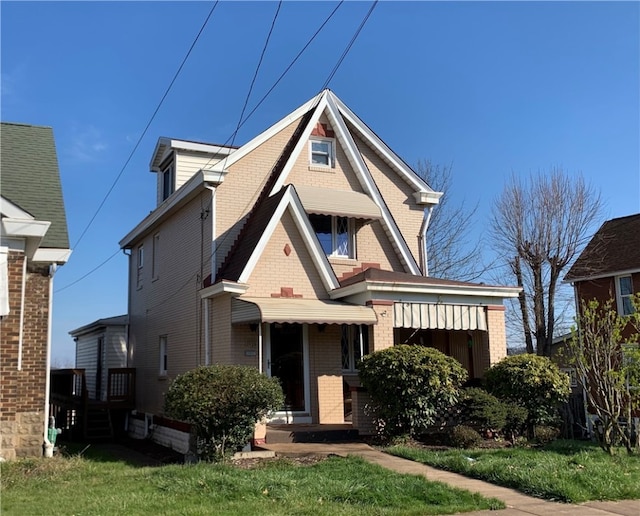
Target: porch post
[
  {"x": 496, "y": 333},
  {"x": 383, "y": 329}
]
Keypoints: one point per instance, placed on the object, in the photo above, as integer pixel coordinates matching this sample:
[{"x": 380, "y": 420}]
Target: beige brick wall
[
  {"x": 383, "y": 330},
  {"x": 275, "y": 269},
  {"x": 325, "y": 374},
  {"x": 497, "y": 333}
]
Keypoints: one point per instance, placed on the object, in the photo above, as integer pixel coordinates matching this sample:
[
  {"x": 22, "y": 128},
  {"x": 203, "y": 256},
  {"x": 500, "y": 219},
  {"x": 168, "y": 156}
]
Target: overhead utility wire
[
  {"x": 255, "y": 74},
  {"x": 348, "y": 48},
  {"x": 286, "y": 70},
  {"x": 89, "y": 273},
  {"x": 264, "y": 97},
  {"x": 144, "y": 132}
]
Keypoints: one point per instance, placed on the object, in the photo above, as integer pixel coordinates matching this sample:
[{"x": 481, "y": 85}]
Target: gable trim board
[
  {"x": 302, "y": 311},
  {"x": 291, "y": 201},
  {"x": 610, "y": 274}
]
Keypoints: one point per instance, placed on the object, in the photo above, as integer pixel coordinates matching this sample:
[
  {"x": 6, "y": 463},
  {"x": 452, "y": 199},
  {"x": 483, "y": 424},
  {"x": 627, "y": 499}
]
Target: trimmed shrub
[
  {"x": 516, "y": 421},
  {"x": 410, "y": 386},
  {"x": 482, "y": 410},
  {"x": 463, "y": 436},
  {"x": 546, "y": 434},
  {"x": 222, "y": 403},
  {"x": 531, "y": 381}
]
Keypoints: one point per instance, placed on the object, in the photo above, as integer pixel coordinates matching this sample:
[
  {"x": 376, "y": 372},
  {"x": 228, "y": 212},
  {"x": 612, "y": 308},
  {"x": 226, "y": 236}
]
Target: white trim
[
  {"x": 13, "y": 211},
  {"x": 610, "y": 274},
  {"x": 270, "y": 132},
  {"x": 25, "y": 227},
  {"x": 429, "y": 198},
  {"x": 207, "y": 335},
  {"x": 291, "y": 201},
  {"x": 388, "y": 155},
  {"x": 179, "y": 198},
  {"x": 23, "y": 296},
  {"x": 165, "y": 146},
  {"x": 284, "y": 416},
  {"x": 4, "y": 282},
  {"x": 223, "y": 287},
  {"x": 51, "y": 255},
  {"x": 620, "y": 297}
]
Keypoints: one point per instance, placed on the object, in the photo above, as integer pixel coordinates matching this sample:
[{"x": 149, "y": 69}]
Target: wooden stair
[{"x": 98, "y": 425}]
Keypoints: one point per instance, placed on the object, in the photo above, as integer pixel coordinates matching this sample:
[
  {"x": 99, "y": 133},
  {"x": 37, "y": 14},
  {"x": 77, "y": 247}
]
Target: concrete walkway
[{"x": 517, "y": 503}]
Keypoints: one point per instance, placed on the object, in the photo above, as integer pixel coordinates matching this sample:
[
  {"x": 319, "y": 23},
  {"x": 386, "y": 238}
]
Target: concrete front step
[{"x": 302, "y": 433}]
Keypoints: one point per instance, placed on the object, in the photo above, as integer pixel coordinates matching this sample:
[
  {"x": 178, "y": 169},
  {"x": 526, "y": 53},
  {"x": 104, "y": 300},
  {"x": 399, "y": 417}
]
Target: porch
[{"x": 82, "y": 417}]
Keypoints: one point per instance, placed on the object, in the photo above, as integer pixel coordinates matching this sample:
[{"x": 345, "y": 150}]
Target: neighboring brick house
[
  {"x": 34, "y": 242},
  {"x": 296, "y": 253},
  {"x": 609, "y": 266},
  {"x": 607, "y": 270}
]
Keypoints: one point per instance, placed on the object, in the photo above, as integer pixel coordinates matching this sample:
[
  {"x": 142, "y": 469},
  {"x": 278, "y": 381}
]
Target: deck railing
[
  {"x": 69, "y": 386},
  {"x": 121, "y": 385}
]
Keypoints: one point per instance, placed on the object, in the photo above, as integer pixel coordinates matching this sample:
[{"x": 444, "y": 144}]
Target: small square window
[{"x": 322, "y": 154}]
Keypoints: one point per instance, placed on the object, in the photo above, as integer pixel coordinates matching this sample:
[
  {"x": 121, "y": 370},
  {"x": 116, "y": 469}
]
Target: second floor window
[
  {"x": 322, "y": 153},
  {"x": 625, "y": 292},
  {"x": 336, "y": 235}
]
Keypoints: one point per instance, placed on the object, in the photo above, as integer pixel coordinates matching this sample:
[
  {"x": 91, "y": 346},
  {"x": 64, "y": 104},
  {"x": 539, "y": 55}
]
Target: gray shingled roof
[
  {"x": 613, "y": 249},
  {"x": 29, "y": 177}
]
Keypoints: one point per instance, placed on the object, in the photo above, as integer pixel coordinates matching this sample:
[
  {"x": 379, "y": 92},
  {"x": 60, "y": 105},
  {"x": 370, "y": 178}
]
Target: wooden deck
[{"x": 81, "y": 417}]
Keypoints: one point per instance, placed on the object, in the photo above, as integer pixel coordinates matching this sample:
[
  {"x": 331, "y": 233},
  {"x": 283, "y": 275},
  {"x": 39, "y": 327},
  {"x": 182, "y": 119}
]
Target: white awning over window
[
  {"x": 325, "y": 201},
  {"x": 295, "y": 310},
  {"x": 431, "y": 316}
]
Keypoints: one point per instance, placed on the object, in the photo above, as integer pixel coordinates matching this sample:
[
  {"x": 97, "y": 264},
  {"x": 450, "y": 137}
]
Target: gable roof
[
  {"x": 339, "y": 116},
  {"x": 614, "y": 249},
  {"x": 119, "y": 320},
  {"x": 31, "y": 179},
  {"x": 247, "y": 250}
]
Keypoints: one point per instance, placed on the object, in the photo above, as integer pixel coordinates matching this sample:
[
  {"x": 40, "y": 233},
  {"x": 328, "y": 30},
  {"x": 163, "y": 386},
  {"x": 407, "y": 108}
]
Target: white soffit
[
  {"x": 326, "y": 201},
  {"x": 432, "y": 316},
  {"x": 295, "y": 310}
]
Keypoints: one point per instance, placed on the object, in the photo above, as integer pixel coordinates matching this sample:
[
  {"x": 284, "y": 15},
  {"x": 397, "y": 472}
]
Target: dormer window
[
  {"x": 168, "y": 180},
  {"x": 321, "y": 152}
]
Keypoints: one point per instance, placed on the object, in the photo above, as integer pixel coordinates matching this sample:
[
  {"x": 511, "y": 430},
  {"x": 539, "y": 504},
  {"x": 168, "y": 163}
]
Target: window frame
[
  {"x": 155, "y": 259},
  {"x": 139, "y": 265},
  {"x": 163, "y": 355},
  {"x": 351, "y": 235},
  {"x": 620, "y": 297},
  {"x": 331, "y": 154},
  {"x": 168, "y": 179},
  {"x": 353, "y": 334}
]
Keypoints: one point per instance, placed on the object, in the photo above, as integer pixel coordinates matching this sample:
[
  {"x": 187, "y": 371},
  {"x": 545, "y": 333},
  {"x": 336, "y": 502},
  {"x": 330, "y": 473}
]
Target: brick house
[
  {"x": 34, "y": 242},
  {"x": 295, "y": 253},
  {"x": 609, "y": 266},
  {"x": 608, "y": 269}
]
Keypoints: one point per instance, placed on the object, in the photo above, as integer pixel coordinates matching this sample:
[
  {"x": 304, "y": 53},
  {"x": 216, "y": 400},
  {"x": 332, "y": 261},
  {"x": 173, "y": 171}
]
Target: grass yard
[
  {"x": 100, "y": 485},
  {"x": 567, "y": 471}
]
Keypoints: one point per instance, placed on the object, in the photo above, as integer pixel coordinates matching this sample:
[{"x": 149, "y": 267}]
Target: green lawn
[
  {"x": 567, "y": 471},
  {"x": 336, "y": 486}
]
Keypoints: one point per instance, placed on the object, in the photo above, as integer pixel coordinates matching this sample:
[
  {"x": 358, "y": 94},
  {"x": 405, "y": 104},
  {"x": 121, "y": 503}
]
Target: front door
[{"x": 287, "y": 363}]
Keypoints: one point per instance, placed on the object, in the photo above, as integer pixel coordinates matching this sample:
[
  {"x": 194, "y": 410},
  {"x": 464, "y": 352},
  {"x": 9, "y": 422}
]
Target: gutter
[{"x": 48, "y": 445}]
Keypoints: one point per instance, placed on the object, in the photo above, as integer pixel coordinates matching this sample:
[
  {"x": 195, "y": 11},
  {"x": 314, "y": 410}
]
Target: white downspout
[
  {"x": 422, "y": 237},
  {"x": 22, "y": 297},
  {"x": 212, "y": 213},
  {"x": 207, "y": 336},
  {"x": 48, "y": 446},
  {"x": 260, "y": 367}
]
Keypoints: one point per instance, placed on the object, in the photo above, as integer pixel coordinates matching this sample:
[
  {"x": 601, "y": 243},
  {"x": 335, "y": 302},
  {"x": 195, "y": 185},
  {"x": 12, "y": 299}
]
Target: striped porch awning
[
  {"x": 433, "y": 316},
  {"x": 296, "y": 310}
]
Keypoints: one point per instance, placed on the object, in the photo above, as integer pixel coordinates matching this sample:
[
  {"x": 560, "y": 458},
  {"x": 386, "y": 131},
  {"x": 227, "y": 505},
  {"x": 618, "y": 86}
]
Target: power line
[
  {"x": 88, "y": 273},
  {"x": 348, "y": 48},
  {"x": 144, "y": 132}
]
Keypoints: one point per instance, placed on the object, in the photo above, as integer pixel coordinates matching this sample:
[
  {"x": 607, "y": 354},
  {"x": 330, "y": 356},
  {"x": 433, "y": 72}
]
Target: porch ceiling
[{"x": 294, "y": 310}]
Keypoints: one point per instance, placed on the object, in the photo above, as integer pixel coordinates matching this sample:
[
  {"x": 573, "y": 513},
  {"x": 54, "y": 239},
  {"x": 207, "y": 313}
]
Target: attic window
[
  {"x": 168, "y": 180},
  {"x": 321, "y": 152}
]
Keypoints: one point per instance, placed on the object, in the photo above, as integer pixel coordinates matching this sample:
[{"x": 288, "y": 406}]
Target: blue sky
[{"x": 491, "y": 88}]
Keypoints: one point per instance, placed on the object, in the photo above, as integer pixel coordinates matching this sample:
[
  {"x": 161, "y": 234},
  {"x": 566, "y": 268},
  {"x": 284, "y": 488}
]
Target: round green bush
[
  {"x": 222, "y": 403},
  {"x": 410, "y": 386},
  {"x": 463, "y": 436},
  {"x": 482, "y": 410},
  {"x": 531, "y": 381}
]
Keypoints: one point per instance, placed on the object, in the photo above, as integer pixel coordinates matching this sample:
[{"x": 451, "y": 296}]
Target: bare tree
[
  {"x": 539, "y": 226},
  {"x": 452, "y": 252}
]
